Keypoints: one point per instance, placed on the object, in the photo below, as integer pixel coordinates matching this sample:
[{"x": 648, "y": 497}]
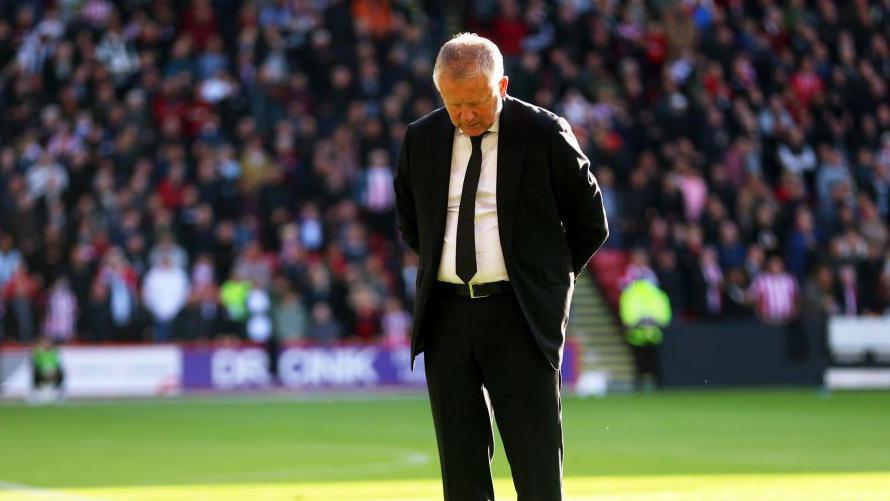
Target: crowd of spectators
[
  {"x": 190, "y": 170},
  {"x": 748, "y": 160}
]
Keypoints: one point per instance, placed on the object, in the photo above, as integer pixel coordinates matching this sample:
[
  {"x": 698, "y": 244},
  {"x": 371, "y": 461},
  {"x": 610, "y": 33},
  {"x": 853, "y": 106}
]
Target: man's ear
[{"x": 502, "y": 86}]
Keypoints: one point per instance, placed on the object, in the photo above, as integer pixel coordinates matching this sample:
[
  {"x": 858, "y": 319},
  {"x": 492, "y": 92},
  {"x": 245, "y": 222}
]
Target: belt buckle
[{"x": 473, "y": 293}]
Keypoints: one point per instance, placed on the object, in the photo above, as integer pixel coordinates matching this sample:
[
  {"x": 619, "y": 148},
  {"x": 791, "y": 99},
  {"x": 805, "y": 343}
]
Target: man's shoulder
[
  {"x": 534, "y": 117},
  {"x": 532, "y": 111},
  {"x": 430, "y": 121}
]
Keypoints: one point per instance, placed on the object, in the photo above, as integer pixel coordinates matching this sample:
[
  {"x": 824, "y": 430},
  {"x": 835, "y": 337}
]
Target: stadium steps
[{"x": 602, "y": 346}]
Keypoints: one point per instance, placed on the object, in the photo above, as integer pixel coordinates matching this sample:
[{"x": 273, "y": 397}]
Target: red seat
[{"x": 607, "y": 268}]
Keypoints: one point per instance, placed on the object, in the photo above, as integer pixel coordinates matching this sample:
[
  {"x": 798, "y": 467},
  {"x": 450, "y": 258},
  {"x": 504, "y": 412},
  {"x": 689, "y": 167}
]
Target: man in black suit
[{"x": 498, "y": 200}]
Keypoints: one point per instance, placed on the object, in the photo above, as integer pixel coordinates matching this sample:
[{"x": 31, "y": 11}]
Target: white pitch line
[{"x": 41, "y": 493}]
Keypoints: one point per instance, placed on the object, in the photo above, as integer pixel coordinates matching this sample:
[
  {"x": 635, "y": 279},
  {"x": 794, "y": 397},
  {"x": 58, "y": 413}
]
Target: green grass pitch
[{"x": 669, "y": 445}]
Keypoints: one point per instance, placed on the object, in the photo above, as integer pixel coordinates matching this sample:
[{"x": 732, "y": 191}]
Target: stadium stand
[{"x": 250, "y": 144}]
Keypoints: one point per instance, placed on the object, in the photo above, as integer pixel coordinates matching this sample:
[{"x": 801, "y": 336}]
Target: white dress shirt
[
  {"x": 165, "y": 291},
  {"x": 490, "y": 265}
]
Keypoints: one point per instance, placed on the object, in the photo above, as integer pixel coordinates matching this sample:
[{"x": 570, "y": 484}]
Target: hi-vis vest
[{"x": 644, "y": 310}]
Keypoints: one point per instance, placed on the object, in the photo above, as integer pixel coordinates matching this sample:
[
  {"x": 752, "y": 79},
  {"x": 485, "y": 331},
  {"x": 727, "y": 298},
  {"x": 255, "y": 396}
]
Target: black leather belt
[{"x": 476, "y": 291}]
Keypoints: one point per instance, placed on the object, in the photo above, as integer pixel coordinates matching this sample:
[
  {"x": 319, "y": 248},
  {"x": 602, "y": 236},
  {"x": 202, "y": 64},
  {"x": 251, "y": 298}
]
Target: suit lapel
[
  {"x": 441, "y": 144},
  {"x": 511, "y": 153}
]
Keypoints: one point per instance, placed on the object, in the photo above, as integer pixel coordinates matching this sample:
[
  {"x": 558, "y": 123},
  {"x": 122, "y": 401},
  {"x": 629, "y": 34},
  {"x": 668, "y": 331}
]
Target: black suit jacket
[{"x": 550, "y": 212}]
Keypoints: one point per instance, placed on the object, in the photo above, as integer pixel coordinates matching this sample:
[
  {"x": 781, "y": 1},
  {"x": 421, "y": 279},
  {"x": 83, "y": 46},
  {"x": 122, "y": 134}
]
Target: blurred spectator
[
  {"x": 833, "y": 182},
  {"x": 396, "y": 323},
  {"x": 805, "y": 83},
  {"x": 233, "y": 296},
  {"x": 376, "y": 194},
  {"x": 80, "y": 275},
  {"x": 201, "y": 313},
  {"x": 60, "y": 317},
  {"x": 254, "y": 266},
  {"x": 775, "y": 120},
  {"x": 166, "y": 247},
  {"x": 638, "y": 269},
  {"x": 259, "y": 324},
  {"x": 731, "y": 251},
  {"x": 47, "y": 178},
  {"x": 122, "y": 283},
  {"x": 849, "y": 246},
  {"x": 645, "y": 311},
  {"x": 873, "y": 229},
  {"x": 774, "y": 293},
  {"x": 116, "y": 53},
  {"x": 847, "y": 293},
  {"x": 802, "y": 245},
  {"x": 797, "y": 157},
  {"x": 311, "y": 228},
  {"x": 10, "y": 258},
  {"x": 367, "y": 320},
  {"x": 324, "y": 327},
  {"x": 200, "y": 23},
  {"x": 48, "y": 376},
  {"x": 374, "y": 16},
  {"x": 694, "y": 190},
  {"x": 256, "y": 165},
  {"x": 606, "y": 180},
  {"x": 671, "y": 279},
  {"x": 737, "y": 304},
  {"x": 164, "y": 293},
  {"x": 818, "y": 303},
  {"x": 763, "y": 229},
  {"x": 883, "y": 295},
  {"x": 707, "y": 284},
  {"x": 19, "y": 296},
  {"x": 325, "y": 288},
  {"x": 99, "y": 322},
  {"x": 288, "y": 312}
]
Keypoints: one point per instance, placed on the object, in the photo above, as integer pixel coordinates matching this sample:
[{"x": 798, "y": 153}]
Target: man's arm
[
  {"x": 405, "y": 208},
  {"x": 577, "y": 196}
]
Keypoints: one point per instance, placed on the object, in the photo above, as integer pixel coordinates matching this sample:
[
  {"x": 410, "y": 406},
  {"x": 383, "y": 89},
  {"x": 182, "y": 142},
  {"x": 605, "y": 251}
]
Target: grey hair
[{"x": 467, "y": 55}]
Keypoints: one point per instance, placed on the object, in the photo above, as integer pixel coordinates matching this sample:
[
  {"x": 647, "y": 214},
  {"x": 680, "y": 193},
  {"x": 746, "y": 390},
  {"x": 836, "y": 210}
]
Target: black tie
[{"x": 465, "y": 262}]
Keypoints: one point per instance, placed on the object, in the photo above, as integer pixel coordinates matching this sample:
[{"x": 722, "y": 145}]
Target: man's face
[{"x": 473, "y": 104}]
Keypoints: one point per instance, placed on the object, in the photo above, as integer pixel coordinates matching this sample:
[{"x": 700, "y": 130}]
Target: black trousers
[
  {"x": 485, "y": 343},
  {"x": 56, "y": 379},
  {"x": 645, "y": 362}
]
